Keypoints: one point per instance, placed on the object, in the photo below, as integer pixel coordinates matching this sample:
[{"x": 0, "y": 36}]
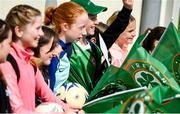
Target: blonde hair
[
  {"x": 65, "y": 13},
  {"x": 21, "y": 15},
  {"x": 114, "y": 16}
]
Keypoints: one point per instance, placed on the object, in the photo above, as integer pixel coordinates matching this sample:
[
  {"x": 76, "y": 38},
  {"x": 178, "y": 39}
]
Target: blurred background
[{"x": 148, "y": 13}]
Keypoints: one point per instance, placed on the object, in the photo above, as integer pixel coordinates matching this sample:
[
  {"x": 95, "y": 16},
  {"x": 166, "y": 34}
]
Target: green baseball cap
[{"x": 90, "y": 7}]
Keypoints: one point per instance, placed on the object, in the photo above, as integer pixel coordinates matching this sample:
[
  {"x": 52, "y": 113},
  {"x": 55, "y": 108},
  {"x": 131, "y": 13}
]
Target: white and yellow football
[{"x": 73, "y": 94}]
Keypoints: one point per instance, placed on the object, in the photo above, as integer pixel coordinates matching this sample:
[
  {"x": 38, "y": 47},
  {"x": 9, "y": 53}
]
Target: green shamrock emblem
[
  {"x": 137, "y": 107},
  {"x": 147, "y": 80}
]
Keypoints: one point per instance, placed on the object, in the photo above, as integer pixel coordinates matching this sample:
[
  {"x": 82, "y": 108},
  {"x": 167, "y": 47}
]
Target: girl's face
[
  {"x": 5, "y": 47},
  {"x": 92, "y": 23},
  {"x": 78, "y": 29},
  {"x": 31, "y": 33},
  {"x": 45, "y": 55},
  {"x": 128, "y": 35}
]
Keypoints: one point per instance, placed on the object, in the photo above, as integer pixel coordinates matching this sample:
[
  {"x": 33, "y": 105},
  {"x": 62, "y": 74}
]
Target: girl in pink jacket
[{"x": 25, "y": 22}]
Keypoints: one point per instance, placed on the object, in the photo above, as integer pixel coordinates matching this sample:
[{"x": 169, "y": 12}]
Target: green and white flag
[
  {"x": 109, "y": 102},
  {"x": 168, "y": 51},
  {"x": 160, "y": 99},
  {"x": 113, "y": 80},
  {"x": 116, "y": 79},
  {"x": 146, "y": 70},
  {"x": 84, "y": 64},
  {"x": 139, "y": 69},
  {"x": 149, "y": 72},
  {"x": 169, "y": 105}
]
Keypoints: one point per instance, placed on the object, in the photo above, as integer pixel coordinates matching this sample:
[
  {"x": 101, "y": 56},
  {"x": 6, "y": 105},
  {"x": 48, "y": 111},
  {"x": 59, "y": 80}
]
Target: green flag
[
  {"x": 154, "y": 100},
  {"x": 108, "y": 102},
  {"x": 169, "y": 105},
  {"x": 141, "y": 38},
  {"x": 83, "y": 65},
  {"x": 116, "y": 79},
  {"x": 168, "y": 51},
  {"x": 139, "y": 69},
  {"x": 160, "y": 99},
  {"x": 146, "y": 70},
  {"x": 113, "y": 80}
]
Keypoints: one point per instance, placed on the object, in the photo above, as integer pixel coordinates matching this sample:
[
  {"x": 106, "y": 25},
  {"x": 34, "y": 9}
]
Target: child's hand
[
  {"x": 57, "y": 50},
  {"x": 77, "y": 111},
  {"x": 74, "y": 110},
  {"x": 128, "y": 3}
]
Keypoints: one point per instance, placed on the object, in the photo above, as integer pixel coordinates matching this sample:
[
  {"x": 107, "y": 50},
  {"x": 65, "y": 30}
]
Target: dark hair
[
  {"x": 100, "y": 29},
  {"x": 4, "y": 30},
  {"x": 153, "y": 36},
  {"x": 48, "y": 34}
]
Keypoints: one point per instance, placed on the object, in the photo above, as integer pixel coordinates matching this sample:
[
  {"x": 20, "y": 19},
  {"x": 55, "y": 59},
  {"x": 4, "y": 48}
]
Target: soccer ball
[{"x": 73, "y": 94}]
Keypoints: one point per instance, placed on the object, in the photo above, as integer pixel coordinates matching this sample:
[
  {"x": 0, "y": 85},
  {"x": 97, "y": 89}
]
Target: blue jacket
[{"x": 59, "y": 68}]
